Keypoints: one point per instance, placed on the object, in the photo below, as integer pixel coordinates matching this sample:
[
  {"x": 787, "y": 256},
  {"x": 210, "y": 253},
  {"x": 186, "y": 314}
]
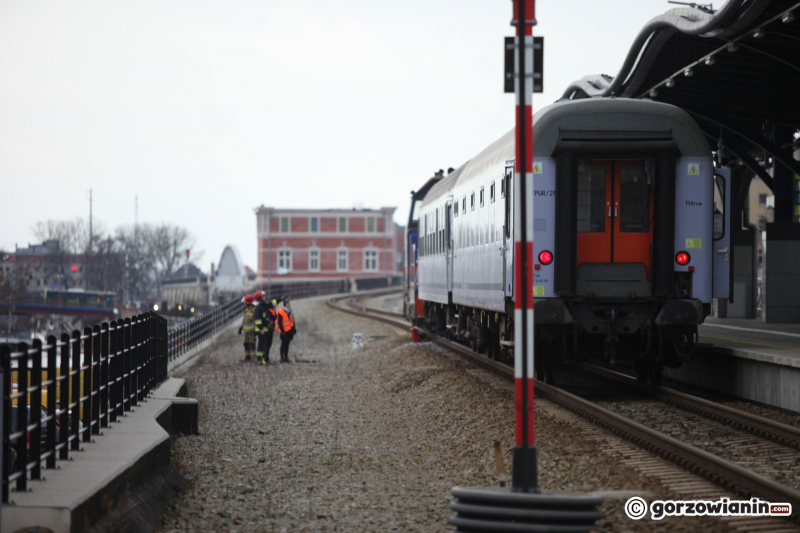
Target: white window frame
[
  {"x": 339, "y": 224},
  {"x": 370, "y": 256},
  {"x": 288, "y": 225},
  {"x": 342, "y": 253},
  {"x": 285, "y": 258},
  {"x": 313, "y": 254},
  {"x": 374, "y": 225},
  {"x": 311, "y": 224}
]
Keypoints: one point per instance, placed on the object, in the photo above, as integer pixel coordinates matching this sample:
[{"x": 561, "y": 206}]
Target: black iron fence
[{"x": 59, "y": 394}]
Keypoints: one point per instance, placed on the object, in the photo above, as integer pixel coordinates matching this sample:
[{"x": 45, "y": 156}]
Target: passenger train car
[{"x": 631, "y": 239}]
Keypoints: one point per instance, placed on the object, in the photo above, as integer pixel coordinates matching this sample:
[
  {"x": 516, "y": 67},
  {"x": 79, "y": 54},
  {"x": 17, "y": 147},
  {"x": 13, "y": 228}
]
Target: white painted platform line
[{"x": 768, "y": 332}]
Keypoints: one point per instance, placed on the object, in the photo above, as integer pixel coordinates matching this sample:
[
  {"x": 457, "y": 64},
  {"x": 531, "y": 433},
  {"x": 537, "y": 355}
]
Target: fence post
[
  {"x": 112, "y": 351},
  {"x": 81, "y": 368},
  {"x": 36, "y": 410},
  {"x": 126, "y": 364},
  {"x": 104, "y": 381},
  {"x": 52, "y": 410},
  {"x": 22, "y": 416},
  {"x": 5, "y": 416},
  {"x": 63, "y": 397},
  {"x": 91, "y": 383}
]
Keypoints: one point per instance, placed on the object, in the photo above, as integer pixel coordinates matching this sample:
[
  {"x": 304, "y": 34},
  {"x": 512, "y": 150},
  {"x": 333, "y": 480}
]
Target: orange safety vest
[{"x": 286, "y": 320}]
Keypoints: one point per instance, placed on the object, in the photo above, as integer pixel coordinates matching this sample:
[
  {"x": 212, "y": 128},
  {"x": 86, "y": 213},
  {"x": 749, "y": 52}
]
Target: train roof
[
  {"x": 605, "y": 119},
  {"x": 444, "y": 186}
]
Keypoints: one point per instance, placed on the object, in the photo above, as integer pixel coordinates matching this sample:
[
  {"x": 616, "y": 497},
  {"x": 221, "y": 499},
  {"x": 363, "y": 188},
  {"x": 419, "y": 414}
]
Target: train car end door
[
  {"x": 723, "y": 252},
  {"x": 507, "y": 191}
]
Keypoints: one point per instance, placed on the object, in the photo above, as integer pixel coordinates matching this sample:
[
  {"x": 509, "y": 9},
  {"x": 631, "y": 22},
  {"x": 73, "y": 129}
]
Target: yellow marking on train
[{"x": 753, "y": 343}]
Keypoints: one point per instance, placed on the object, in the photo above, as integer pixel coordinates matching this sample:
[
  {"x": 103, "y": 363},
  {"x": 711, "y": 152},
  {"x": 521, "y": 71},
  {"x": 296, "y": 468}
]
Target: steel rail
[
  {"x": 757, "y": 425},
  {"x": 726, "y": 474}
]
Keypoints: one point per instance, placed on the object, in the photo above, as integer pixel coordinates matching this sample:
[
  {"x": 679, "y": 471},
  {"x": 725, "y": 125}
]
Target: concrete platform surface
[
  {"x": 752, "y": 339},
  {"x": 127, "y": 452}
]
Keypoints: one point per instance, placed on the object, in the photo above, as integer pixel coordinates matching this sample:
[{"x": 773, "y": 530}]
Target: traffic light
[
  {"x": 74, "y": 268},
  {"x": 187, "y": 255}
]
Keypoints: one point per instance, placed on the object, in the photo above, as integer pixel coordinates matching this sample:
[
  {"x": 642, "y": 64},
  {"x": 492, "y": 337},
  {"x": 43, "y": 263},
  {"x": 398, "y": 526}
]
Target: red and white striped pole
[{"x": 524, "y": 474}]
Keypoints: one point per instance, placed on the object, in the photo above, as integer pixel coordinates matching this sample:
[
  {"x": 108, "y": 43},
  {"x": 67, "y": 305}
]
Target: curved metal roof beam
[
  {"x": 742, "y": 155},
  {"x": 784, "y": 156},
  {"x": 687, "y": 21}
]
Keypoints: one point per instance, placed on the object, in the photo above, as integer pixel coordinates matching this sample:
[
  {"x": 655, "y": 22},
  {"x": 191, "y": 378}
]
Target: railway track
[{"x": 725, "y": 473}]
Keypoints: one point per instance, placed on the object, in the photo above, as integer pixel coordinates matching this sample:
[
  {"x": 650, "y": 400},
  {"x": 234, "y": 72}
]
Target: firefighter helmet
[
  {"x": 258, "y": 295},
  {"x": 248, "y": 299}
]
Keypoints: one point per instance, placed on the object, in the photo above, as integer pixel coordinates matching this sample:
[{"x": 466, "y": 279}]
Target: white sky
[{"x": 206, "y": 110}]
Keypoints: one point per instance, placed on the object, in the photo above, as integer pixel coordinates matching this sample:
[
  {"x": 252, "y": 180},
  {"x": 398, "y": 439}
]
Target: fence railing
[{"x": 59, "y": 394}]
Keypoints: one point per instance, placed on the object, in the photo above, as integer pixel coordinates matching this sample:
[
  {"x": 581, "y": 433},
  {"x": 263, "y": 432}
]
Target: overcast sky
[{"x": 206, "y": 110}]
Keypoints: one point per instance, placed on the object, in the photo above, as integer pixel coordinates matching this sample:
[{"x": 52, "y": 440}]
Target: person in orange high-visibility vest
[{"x": 286, "y": 328}]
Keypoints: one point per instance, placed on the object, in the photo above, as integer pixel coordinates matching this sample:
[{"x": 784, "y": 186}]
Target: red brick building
[{"x": 311, "y": 244}]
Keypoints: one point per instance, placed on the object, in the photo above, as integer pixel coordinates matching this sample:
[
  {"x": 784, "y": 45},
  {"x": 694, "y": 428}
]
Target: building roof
[{"x": 734, "y": 70}]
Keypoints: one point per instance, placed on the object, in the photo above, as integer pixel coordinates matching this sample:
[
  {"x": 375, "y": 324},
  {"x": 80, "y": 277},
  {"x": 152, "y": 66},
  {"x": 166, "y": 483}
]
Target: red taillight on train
[
  {"x": 683, "y": 258},
  {"x": 545, "y": 257}
]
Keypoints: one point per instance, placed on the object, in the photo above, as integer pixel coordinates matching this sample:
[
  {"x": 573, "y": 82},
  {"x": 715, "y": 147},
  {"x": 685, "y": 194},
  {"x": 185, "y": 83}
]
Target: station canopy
[{"x": 736, "y": 70}]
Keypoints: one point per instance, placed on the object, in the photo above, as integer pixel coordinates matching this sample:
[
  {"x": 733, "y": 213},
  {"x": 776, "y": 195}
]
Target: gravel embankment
[{"x": 366, "y": 441}]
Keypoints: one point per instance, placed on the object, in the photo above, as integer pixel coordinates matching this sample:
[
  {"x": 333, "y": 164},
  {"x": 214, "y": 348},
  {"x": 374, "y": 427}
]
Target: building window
[
  {"x": 284, "y": 224},
  {"x": 370, "y": 224},
  {"x": 502, "y": 187},
  {"x": 341, "y": 260},
  {"x": 342, "y": 225},
  {"x": 464, "y": 205},
  {"x": 491, "y": 193},
  {"x": 285, "y": 260},
  {"x": 370, "y": 260},
  {"x": 314, "y": 225},
  {"x": 313, "y": 260},
  {"x": 472, "y": 202},
  {"x": 762, "y": 200},
  {"x": 481, "y": 196}
]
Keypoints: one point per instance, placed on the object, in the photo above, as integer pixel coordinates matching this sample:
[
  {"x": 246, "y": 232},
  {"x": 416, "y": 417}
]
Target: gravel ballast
[{"x": 369, "y": 440}]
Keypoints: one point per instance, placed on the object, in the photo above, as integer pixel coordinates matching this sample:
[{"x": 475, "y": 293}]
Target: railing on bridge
[{"x": 59, "y": 394}]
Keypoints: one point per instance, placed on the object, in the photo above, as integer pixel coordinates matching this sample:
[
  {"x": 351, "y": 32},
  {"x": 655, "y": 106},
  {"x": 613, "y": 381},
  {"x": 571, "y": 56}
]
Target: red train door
[{"x": 614, "y": 213}]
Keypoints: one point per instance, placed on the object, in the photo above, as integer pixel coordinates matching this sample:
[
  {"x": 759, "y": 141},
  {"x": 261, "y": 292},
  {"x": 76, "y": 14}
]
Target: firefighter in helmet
[
  {"x": 248, "y": 326},
  {"x": 265, "y": 326}
]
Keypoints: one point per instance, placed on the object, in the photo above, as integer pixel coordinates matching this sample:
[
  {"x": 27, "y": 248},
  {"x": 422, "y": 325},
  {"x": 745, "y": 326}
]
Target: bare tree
[
  {"x": 72, "y": 235},
  {"x": 168, "y": 245},
  {"x": 138, "y": 280}
]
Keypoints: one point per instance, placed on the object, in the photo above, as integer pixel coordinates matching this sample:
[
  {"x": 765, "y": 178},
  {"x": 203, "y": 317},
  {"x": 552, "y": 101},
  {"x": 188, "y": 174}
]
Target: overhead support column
[{"x": 781, "y": 290}]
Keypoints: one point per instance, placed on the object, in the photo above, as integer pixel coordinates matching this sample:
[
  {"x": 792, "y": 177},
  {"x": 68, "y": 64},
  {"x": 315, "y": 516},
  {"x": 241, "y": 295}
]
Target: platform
[{"x": 749, "y": 359}]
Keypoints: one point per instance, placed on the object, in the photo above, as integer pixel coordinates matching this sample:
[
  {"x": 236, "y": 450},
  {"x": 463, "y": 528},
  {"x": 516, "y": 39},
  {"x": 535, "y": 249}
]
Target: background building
[{"x": 316, "y": 244}]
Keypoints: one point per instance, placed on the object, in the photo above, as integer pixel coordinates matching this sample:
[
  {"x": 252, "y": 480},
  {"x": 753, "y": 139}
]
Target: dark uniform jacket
[{"x": 264, "y": 318}]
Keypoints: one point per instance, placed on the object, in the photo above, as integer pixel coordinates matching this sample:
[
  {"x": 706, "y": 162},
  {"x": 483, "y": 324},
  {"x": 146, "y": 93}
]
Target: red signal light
[
  {"x": 545, "y": 257},
  {"x": 74, "y": 268},
  {"x": 682, "y": 258}
]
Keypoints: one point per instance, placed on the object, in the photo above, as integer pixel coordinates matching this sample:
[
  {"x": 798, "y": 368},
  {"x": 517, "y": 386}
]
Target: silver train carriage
[{"x": 630, "y": 233}]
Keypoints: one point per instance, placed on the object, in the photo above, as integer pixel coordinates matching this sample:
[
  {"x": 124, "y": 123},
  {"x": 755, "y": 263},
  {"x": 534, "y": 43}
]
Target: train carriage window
[
  {"x": 464, "y": 205},
  {"x": 592, "y": 199},
  {"x": 472, "y": 202},
  {"x": 634, "y": 200},
  {"x": 502, "y": 188},
  {"x": 481, "y": 198},
  {"x": 491, "y": 193}
]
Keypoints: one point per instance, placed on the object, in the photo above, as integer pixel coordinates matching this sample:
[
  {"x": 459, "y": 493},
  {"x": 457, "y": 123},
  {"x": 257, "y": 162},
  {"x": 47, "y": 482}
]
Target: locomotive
[{"x": 631, "y": 239}]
